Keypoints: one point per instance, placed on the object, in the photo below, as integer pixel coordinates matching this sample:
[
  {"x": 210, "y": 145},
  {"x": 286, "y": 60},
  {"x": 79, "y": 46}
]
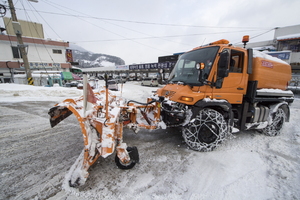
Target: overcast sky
[{"x": 139, "y": 31}]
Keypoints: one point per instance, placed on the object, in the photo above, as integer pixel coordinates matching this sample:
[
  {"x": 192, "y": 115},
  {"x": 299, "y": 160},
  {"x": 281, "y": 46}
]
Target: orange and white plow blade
[{"x": 102, "y": 132}]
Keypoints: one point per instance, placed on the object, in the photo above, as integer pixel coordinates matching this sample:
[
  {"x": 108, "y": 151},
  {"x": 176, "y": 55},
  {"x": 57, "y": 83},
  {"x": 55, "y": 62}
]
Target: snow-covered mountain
[{"x": 89, "y": 59}]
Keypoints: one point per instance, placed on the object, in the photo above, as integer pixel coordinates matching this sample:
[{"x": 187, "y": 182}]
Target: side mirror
[{"x": 223, "y": 64}]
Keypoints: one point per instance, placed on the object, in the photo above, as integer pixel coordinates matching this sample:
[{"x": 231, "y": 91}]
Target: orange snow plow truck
[{"x": 213, "y": 91}]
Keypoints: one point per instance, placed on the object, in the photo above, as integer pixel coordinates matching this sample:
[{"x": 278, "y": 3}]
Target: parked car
[
  {"x": 149, "y": 81},
  {"x": 72, "y": 84},
  {"x": 120, "y": 79},
  {"x": 132, "y": 78},
  {"x": 112, "y": 85},
  {"x": 80, "y": 86}
]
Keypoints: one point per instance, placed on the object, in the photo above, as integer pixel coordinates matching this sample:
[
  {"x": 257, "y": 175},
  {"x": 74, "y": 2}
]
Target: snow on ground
[
  {"x": 35, "y": 157},
  {"x": 19, "y": 93}
]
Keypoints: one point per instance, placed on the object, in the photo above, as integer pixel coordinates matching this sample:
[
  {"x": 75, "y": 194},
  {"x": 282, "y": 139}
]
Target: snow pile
[
  {"x": 19, "y": 92},
  {"x": 275, "y": 91}
]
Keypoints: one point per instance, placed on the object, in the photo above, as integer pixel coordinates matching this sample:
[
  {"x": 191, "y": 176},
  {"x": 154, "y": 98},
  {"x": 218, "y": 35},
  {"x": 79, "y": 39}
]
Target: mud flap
[{"x": 57, "y": 114}]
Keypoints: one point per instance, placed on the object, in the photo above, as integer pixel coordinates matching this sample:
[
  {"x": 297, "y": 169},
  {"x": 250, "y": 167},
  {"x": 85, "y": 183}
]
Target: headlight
[{"x": 187, "y": 99}]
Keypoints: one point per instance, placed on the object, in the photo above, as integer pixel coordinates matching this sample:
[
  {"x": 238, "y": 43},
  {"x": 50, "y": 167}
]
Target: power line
[
  {"x": 125, "y": 38},
  {"x": 141, "y": 22},
  {"x": 44, "y": 20},
  {"x": 159, "y": 37},
  {"x": 263, "y": 33},
  {"x": 125, "y": 27},
  {"x": 258, "y": 35},
  {"x": 112, "y": 32},
  {"x": 39, "y": 36},
  {"x": 109, "y": 20}
]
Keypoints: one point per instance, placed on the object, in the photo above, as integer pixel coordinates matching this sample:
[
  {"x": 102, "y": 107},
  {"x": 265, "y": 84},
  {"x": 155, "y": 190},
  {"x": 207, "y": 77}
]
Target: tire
[
  {"x": 134, "y": 158},
  {"x": 278, "y": 120},
  {"x": 206, "y": 131}
]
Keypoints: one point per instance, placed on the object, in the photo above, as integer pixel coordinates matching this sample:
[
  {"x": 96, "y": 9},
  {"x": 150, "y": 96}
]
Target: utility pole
[{"x": 21, "y": 45}]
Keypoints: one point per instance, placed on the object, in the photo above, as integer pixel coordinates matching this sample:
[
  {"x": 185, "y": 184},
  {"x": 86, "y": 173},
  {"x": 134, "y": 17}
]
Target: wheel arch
[
  {"x": 222, "y": 106},
  {"x": 284, "y": 106}
]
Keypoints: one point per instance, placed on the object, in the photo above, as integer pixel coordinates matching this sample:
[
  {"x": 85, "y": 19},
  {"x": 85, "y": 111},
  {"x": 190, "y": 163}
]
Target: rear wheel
[
  {"x": 206, "y": 131},
  {"x": 278, "y": 120}
]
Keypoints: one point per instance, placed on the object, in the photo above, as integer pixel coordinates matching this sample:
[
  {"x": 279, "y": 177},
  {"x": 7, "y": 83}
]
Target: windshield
[{"x": 185, "y": 69}]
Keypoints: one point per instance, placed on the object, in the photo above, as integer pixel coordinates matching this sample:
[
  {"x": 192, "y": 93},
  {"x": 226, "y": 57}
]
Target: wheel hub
[{"x": 208, "y": 133}]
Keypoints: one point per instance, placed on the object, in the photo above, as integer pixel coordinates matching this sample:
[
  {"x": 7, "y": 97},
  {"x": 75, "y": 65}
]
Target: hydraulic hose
[{"x": 141, "y": 103}]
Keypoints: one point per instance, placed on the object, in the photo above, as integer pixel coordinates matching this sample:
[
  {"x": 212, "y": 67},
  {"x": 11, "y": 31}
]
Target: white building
[{"x": 44, "y": 55}]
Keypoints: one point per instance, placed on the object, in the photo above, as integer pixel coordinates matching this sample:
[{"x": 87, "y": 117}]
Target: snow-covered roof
[
  {"x": 289, "y": 37},
  {"x": 264, "y": 48}
]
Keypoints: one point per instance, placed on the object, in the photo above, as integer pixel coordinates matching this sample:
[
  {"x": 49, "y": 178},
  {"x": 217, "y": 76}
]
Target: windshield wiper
[{"x": 178, "y": 82}]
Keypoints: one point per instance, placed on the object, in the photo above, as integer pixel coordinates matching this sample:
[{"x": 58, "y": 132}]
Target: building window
[
  {"x": 57, "y": 51},
  {"x": 293, "y": 45},
  {"x": 16, "y": 52},
  {"x": 7, "y": 80}
]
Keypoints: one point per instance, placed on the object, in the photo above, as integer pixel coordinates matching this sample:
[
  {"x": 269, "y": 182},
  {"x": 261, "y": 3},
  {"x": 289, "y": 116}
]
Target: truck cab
[{"x": 217, "y": 72}]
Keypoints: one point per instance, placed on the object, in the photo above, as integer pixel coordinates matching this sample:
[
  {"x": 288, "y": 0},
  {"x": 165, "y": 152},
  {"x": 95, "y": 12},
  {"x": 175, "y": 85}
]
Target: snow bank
[{"x": 19, "y": 93}]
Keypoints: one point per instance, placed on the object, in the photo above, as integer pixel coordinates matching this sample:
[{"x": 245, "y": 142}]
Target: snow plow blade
[
  {"x": 98, "y": 115},
  {"x": 57, "y": 114}
]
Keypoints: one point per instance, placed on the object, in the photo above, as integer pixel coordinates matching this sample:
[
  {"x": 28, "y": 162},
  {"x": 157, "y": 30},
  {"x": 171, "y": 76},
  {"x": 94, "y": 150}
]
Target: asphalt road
[{"x": 34, "y": 155}]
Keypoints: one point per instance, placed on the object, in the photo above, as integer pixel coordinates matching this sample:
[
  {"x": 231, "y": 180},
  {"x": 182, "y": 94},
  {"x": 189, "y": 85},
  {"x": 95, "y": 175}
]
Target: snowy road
[
  {"x": 35, "y": 159},
  {"x": 33, "y": 156}
]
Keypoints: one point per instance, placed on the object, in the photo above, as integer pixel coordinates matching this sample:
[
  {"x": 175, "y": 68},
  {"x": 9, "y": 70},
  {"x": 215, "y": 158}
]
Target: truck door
[{"x": 234, "y": 86}]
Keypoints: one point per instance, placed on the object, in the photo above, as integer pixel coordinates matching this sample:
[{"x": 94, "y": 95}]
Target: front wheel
[
  {"x": 206, "y": 131},
  {"x": 278, "y": 120}
]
